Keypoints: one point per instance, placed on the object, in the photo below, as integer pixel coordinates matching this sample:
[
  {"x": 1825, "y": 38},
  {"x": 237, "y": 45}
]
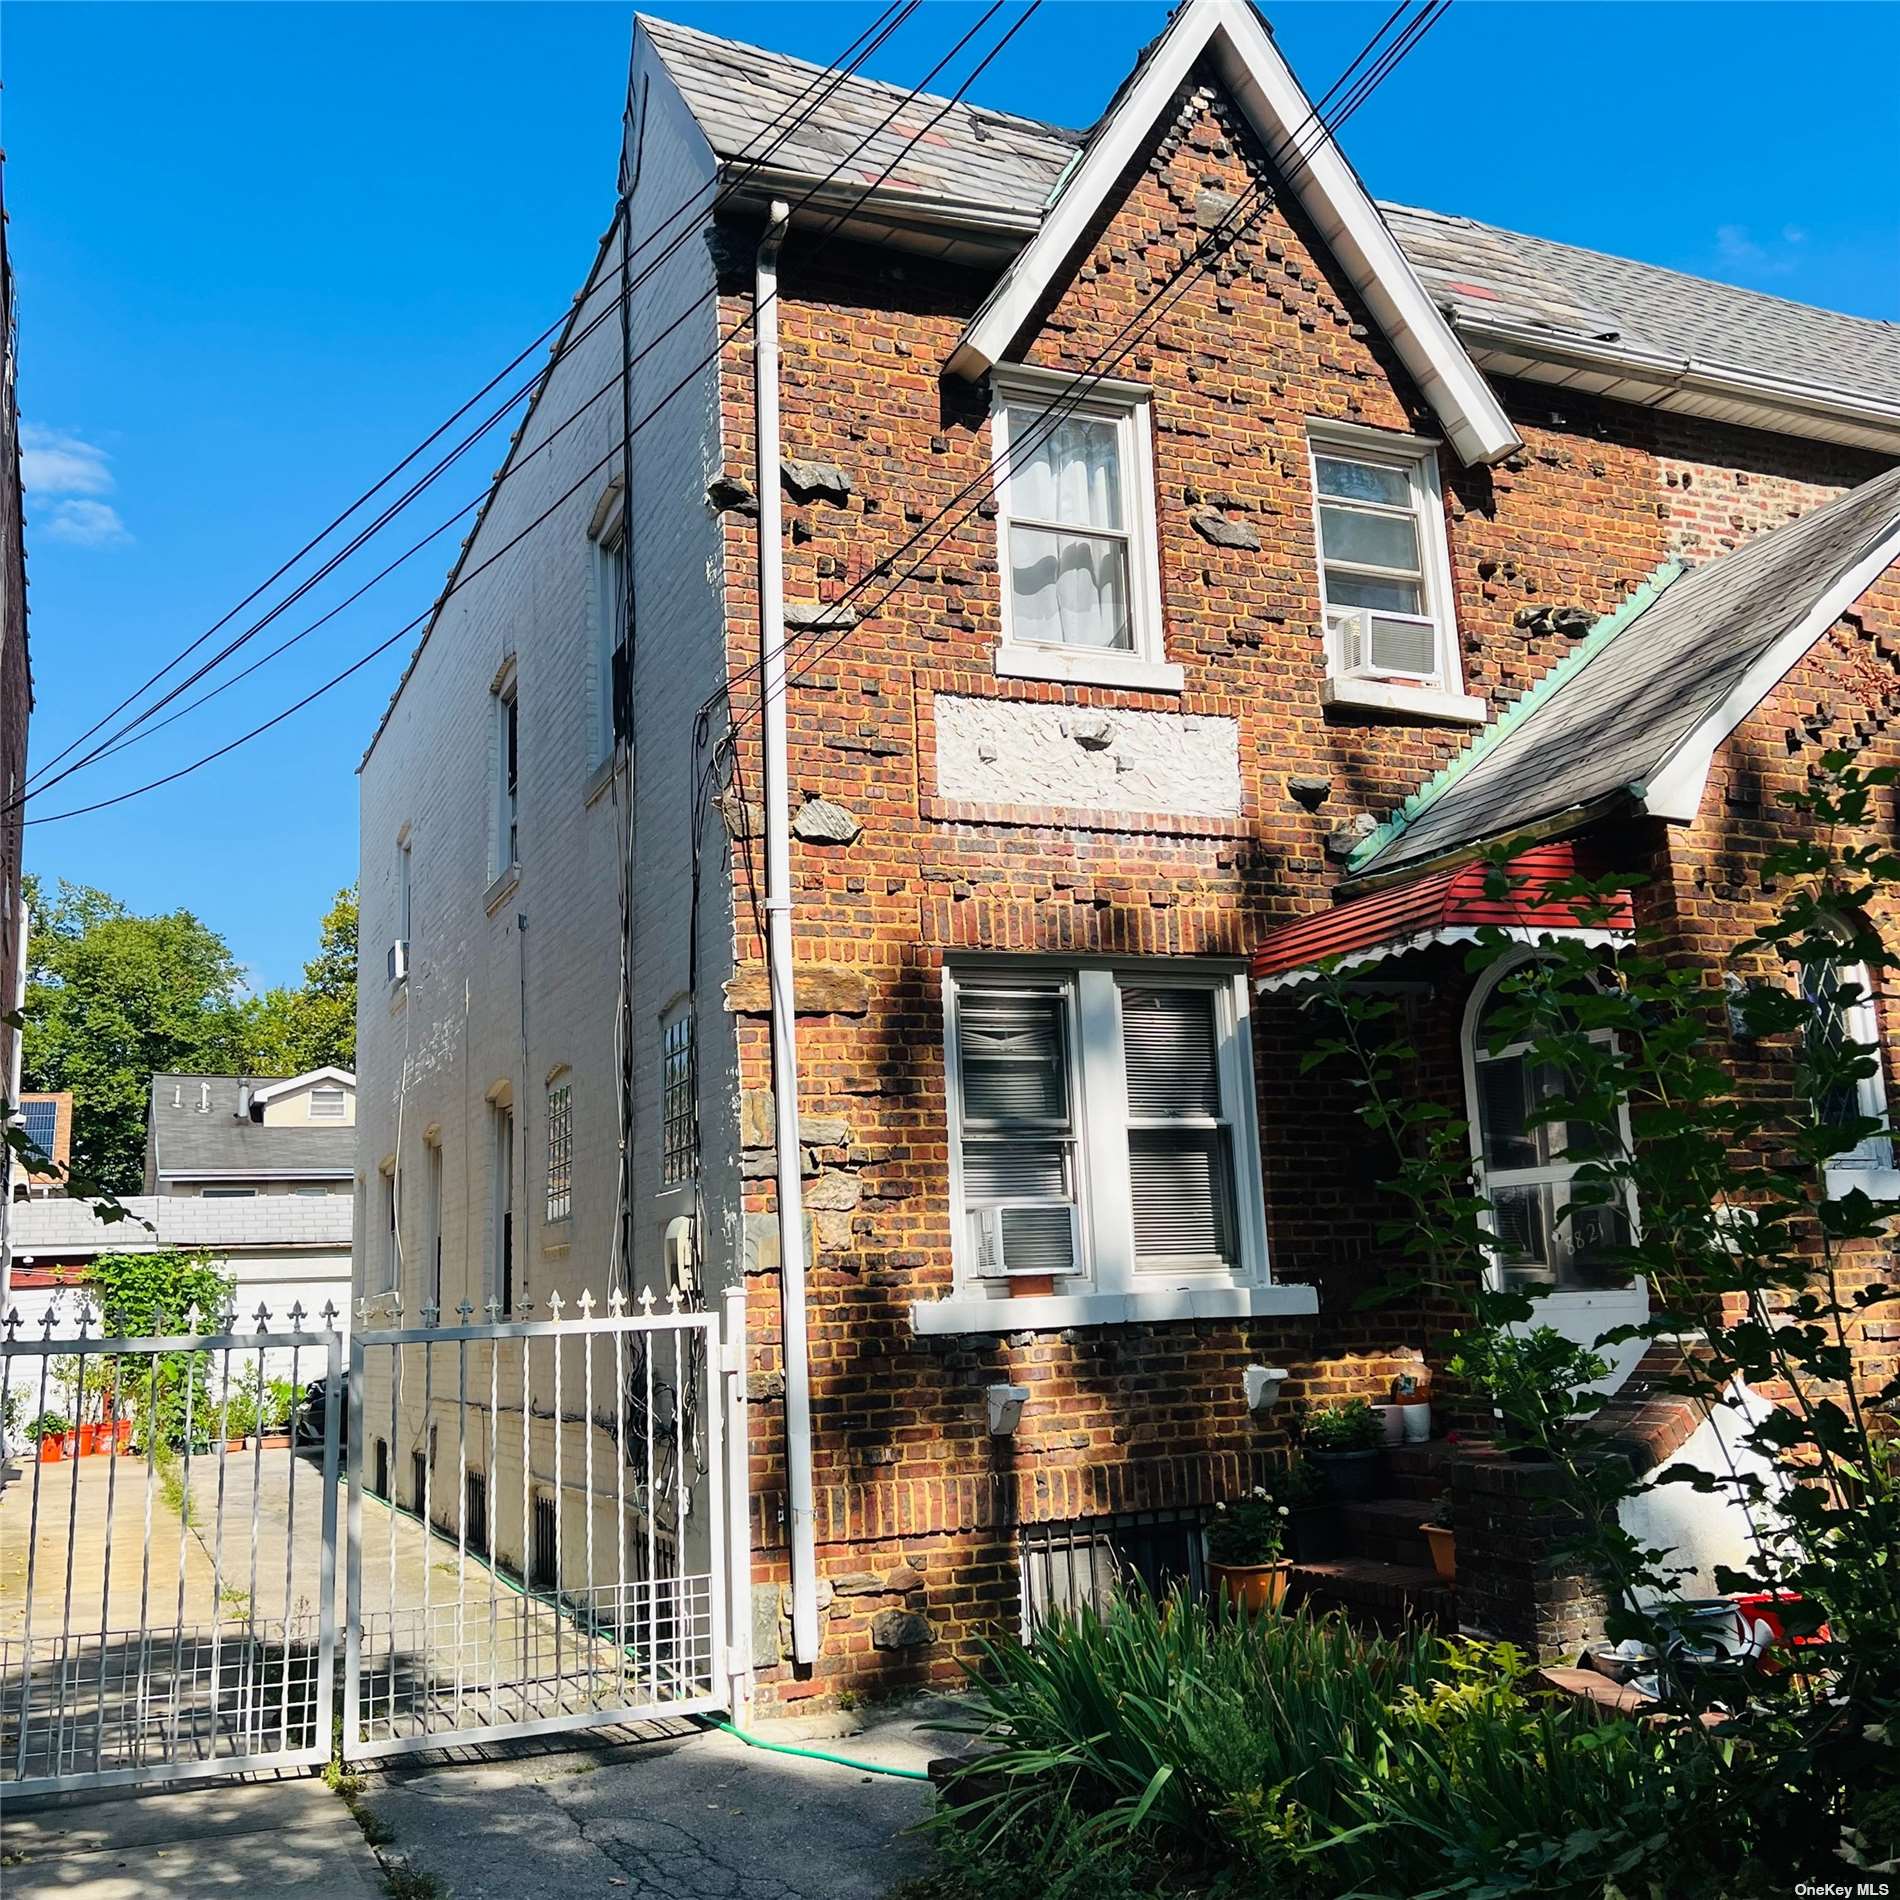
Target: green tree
[
  {"x": 288, "y": 1031},
  {"x": 111, "y": 999}
]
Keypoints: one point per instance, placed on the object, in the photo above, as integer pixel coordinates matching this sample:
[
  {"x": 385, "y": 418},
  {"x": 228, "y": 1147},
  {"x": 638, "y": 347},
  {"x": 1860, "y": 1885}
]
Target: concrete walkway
[
  {"x": 680, "y": 1814},
  {"x": 288, "y": 1840}
]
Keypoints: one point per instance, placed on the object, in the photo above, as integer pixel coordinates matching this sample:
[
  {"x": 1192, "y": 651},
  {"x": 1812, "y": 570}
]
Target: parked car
[{"x": 318, "y": 1396}]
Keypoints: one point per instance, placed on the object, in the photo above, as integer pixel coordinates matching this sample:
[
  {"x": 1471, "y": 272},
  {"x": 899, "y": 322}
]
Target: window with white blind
[
  {"x": 1103, "y": 1127},
  {"x": 1385, "y": 570},
  {"x": 1076, "y": 526},
  {"x": 328, "y": 1104}
]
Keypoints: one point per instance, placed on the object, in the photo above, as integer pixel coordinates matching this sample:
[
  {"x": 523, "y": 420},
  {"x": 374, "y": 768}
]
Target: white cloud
[
  {"x": 54, "y": 463},
  {"x": 84, "y": 524},
  {"x": 1736, "y": 247}
]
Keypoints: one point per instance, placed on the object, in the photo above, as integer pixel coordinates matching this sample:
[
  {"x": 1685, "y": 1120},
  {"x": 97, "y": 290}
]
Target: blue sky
[{"x": 262, "y": 250}]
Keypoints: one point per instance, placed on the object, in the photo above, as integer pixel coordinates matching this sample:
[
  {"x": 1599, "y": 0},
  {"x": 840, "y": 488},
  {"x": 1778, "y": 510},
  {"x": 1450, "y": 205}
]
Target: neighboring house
[
  {"x": 278, "y": 1252},
  {"x": 47, "y": 1118},
  {"x": 1379, "y": 512},
  {"x": 16, "y": 705},
  {"x": 230, "y": 1135}
]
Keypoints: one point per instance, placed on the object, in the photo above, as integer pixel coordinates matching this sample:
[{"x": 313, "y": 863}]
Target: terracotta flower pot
[
  {"x": 1444, "y": 1545},
  {"x": 88, "y": 1440},
  {"x": 275, "y": 1441},
  {"x": 52, "y": 1448},
  {"x": 1251, "y": 1587},
  {"x": 123, "y": 1431}
]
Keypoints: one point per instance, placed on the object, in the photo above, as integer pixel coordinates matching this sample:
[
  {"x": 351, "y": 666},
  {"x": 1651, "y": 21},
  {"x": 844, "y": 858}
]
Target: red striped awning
[{"x": 1441, "y": 907}]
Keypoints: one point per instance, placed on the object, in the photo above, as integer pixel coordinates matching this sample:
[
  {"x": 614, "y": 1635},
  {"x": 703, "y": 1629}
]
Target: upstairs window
[
  {"x": 679, "y": 1148},
  {"x": 1076, "y": 515},
  {"x": 506, "y": 853},
  {"x": 1384, "y": 568},
  {"x": 611, "y": 619},
  {"x": 328, "y": 1104},
  {"x": 560, "y": 1151}
]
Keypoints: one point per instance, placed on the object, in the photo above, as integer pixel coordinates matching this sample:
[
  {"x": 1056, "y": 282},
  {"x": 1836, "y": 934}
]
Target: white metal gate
[
  {"x": 540, "y": 1514},
  {"x": 167, "y": 1598},
  {"x": 537, "y": 1524}
]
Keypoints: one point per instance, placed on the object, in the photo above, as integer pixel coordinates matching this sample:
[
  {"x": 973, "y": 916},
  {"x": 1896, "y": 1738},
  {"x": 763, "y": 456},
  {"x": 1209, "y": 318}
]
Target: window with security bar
[
  {"x": 1553, "y": 1227},
  {"x": 560, "y": 1151},
  {"x": 1104, "y": 1133},
  {"x": 679, "y": 1146},
  {"x": 1384, "y": 574},
  {"x": 1088, "y": 1562}
]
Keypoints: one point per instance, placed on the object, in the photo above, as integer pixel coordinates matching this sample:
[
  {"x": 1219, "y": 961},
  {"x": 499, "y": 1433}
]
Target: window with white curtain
[
  {"x": 1076, "y": 520},
  {"x": 1103, "y": 1126},
  {"x": 1527, "y": 1167}
]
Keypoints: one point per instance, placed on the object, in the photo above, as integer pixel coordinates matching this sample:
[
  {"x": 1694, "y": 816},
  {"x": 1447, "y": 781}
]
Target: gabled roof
[
  {"x": 1524, "y": 306},
  {"x": 1636, "y": 713},
  {"x": 1231, "y": 35},
  {"x": 192, "y": 1143},
  {"x": 269, "y": 1091}
]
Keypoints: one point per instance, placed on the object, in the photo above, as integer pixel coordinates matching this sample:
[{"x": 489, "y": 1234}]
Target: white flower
[{"x": 1283, "y": 1511}]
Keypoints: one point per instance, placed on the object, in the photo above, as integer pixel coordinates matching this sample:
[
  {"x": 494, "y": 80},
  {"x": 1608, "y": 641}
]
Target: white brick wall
[{"x": 501, "y": 994}]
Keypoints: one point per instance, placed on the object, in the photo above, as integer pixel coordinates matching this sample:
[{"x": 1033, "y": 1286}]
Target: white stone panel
[{"x": 1013, "y": 752}]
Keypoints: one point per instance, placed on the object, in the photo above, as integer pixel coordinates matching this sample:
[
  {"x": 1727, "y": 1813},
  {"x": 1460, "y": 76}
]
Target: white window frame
[
  {"x": 389, "y": 1237},
  {"x": 504, "y": 852},
  {"x": 1108, "y": 1275},
  {"x": 606, "y": 540},
  {"x": 1443, "y": 697},
  {"x": 1550, "y": 1173},
  {"x": 1870, "y": 1166},
  {"x": 328, "y": 1091},
  {"x": 405, "y": 908},
  {"x": 1144, "y": 666}
]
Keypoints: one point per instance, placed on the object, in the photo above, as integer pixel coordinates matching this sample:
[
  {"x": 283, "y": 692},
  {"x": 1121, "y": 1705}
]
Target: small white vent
[{"x": 399, "y": 960}]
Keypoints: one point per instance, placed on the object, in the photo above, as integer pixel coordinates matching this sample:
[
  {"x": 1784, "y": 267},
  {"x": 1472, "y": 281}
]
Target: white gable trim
[
  {"x": 1328, "y": 189},
  {"x": 292, "y": 1083},
  {"x": 1674, "y": 790}
]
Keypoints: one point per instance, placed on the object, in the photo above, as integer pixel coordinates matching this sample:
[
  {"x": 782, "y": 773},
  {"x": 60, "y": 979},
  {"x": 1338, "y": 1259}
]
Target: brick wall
[{"x": 908, "y": 1480}]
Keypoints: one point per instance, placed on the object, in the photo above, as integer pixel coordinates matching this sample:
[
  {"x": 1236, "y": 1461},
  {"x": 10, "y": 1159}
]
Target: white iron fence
[
  {"x": 167, "y": 1585},
  {"x": 540, "y": 1515}
]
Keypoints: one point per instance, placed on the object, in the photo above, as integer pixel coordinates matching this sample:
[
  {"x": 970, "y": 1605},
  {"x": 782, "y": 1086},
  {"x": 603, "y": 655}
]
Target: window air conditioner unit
[
  {"x": 1374, "y": 645},
  {"x": 399, "y": 960},
  {"x": 1028, "y": 1237}
]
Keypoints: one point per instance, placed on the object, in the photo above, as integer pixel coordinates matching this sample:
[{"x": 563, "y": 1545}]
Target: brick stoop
[
  {"x": 1386, "y": 1596},
  {"x": 1420, "y": 1471},
  {"x": 1387, "y": 1530}
]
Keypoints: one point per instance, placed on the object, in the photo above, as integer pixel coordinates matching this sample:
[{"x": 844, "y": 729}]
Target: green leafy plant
[
  {"x": 48, "y": 1425},
  {"x": 1251, "y": 1530},
  {"x": 280, "y": 1400},
  {"x": 146, "y": 1295},
  {"x": 1539, "y": 1379},
  {"x": 1350, "y": 1425}
]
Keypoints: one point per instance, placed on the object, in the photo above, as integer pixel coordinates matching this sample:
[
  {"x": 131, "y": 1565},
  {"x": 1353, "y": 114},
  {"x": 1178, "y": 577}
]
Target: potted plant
[
  {"x": 240, "y": 1418},
  {"x": 51, "y": 1430},
  {"x": 1536, "y": 1382},
  {"x": 1313, "y": 1529},
  {"x": 1344, "y": 1441},
  {"x": 1443, "y": 1538},
  {"x": 274, "y": 1424},
  {"x": 1244, "y": 1551}
]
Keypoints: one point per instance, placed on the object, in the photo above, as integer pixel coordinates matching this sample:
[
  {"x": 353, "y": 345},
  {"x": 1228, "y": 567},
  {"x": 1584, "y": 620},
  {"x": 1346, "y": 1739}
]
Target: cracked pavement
[{"x": 699, "y": 1815}]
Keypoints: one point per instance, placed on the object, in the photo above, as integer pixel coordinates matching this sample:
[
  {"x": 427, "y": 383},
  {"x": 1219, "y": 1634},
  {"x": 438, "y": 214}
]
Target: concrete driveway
[{"x": 681, "y": 1814}]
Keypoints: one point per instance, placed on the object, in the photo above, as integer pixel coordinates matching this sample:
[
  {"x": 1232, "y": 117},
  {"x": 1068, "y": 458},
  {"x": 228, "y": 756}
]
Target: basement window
[
  {"x": 1385, "y": 575},
  {"x": 1088, "y": 1562}
]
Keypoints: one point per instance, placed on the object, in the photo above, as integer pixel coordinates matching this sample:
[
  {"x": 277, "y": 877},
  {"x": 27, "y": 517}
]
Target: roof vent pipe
[{"x": 244, "y": 1102}]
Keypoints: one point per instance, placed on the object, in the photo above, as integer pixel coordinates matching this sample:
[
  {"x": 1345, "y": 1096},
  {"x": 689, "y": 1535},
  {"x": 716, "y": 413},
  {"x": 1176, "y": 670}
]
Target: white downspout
[{"x": 778, "y": 943}]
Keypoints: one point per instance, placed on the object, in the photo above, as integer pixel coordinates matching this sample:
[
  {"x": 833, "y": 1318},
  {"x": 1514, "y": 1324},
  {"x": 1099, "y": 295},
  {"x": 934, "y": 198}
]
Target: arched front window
[
  {"x": 1842, "y": 1002},
  {"x": 1526, "y": 1168}
]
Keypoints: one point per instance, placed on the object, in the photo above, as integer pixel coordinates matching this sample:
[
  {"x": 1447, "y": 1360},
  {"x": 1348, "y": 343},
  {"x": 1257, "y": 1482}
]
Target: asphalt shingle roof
[
  {"x": 1474, "y": 271},
  {"x": 218, "y": 1140},
  {"x": 1614, "y": 721},
  {"x": 57, "y": 1226}
]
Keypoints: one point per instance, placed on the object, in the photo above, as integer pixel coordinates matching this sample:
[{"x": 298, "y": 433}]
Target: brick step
[
  {"x": 1387, "y": 1530},
  {"x": 1387, "y": 1596},
  {"x": 1419, "y": 1471}
]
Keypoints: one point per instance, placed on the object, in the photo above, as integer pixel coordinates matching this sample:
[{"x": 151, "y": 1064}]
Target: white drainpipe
[{"x": 778, "y": 947}]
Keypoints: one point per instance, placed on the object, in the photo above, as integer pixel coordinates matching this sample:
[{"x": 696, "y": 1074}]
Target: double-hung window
[
  {"x": 1076, "y": 520},
  {"x": 1103, "y": 1128},
  {"x": 1385, "y": 573},
  {"x": 506, "y": 852}
]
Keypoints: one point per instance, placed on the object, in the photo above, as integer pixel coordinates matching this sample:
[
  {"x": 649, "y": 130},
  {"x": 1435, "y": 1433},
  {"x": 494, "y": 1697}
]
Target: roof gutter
[{"x": 1688, "y": 375}]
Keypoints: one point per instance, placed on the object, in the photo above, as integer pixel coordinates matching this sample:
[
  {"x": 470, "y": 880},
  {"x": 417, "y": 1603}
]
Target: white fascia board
[
  {"x": 310, "y": 1079},
  {"x": 1325, "y": 184},
  {"x": 1674, "y": 790}
]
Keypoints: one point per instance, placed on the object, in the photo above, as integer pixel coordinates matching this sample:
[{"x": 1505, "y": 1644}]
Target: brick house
[{"x": 1184, "y": 564}]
